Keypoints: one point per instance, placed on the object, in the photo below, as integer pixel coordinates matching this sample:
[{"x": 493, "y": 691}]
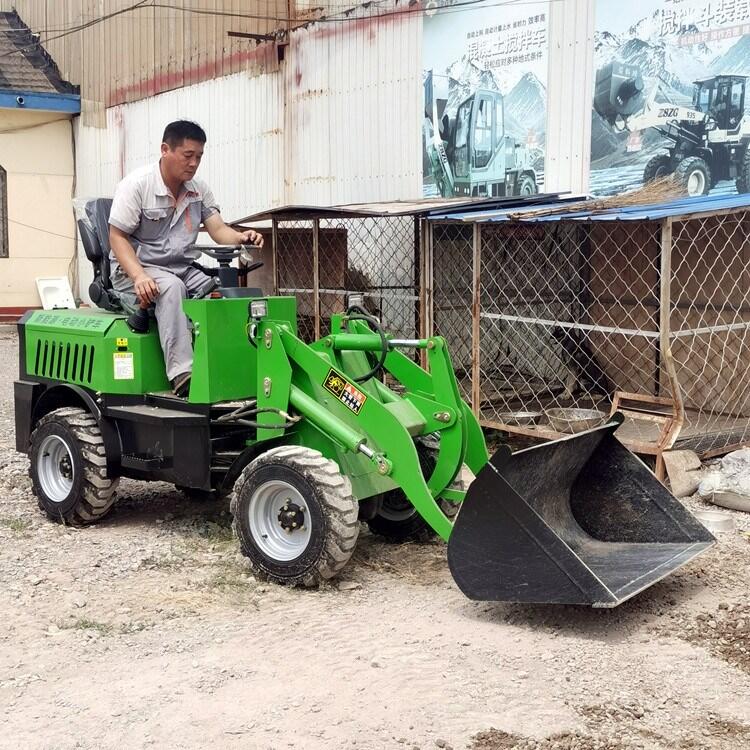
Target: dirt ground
[{"x": 147, "y": 631}]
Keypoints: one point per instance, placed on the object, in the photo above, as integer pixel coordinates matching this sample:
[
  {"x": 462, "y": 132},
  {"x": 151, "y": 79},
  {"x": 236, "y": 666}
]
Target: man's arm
[
  {"x": 223, "y": 234},
  {"x": 145, "y": 287}
]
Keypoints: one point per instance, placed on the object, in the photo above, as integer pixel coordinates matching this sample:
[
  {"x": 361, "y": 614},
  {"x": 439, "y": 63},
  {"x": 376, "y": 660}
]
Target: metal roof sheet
[
  {"x": 423, "y": 207},
  {"x": 644, "y": 212}
]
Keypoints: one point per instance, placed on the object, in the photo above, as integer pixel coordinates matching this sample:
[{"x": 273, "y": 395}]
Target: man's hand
[
  {"x": 250, "y": 238},
  {"x": 223, "y": 234},
  {"x": 146, "y": 288}
]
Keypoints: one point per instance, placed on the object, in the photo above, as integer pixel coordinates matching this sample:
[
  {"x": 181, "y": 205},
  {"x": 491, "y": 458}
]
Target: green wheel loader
[{"x": 309, "y": 441}]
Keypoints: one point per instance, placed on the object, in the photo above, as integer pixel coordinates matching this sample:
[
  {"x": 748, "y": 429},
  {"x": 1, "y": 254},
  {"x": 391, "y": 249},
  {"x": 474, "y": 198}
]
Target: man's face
[{"x": 181, "y": 162}]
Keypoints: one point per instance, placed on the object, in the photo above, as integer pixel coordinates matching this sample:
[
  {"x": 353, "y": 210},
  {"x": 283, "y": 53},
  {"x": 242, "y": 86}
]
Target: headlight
[{"x": 258, "y": 309}]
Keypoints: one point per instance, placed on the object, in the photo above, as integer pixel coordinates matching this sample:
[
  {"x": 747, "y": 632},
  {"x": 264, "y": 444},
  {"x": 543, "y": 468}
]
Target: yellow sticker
[
  {"x": 349, "y": 395},
  {"x": 122, "y": 342}
]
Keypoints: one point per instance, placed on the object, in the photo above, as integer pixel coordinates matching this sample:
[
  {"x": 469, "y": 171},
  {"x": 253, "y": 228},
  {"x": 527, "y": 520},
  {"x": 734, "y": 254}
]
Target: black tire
[
  {"x": 743, "y": 175},
  {"x": 657, "y": 167},
  {"x": 74, "y": 435},
  {"x": 398, "y": 520},
  {"x": 329, "y": 516},
  {"x": 527, "y": 185},
  {"x": 694, "y": 175}
]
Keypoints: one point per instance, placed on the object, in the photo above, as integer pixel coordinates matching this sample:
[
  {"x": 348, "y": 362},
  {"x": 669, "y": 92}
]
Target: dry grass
[
  {"x": 657, "y": 191},
  {"x": 418, "y": 564}
]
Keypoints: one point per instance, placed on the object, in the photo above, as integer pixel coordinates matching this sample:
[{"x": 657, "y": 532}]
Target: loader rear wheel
[
  {"x": 295, "y": 516},
  {"x": 68, "y": 468},
  {"x": 694, "y": 175},
  {"x": 743, "y": 174},
  {"x": 398, "y": 520},
  {"x": 527, "y": 186}
]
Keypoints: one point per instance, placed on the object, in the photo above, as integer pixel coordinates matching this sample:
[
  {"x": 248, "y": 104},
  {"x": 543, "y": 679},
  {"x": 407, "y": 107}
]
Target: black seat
[{"x": 94, "y": 232}]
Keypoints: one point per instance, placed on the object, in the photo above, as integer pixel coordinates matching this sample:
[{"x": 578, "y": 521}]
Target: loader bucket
[{"x": 579, "y": 520}]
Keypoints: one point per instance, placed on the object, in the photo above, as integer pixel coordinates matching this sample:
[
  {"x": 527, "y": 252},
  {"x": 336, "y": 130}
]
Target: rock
[
  {"x": 376, "y": 664},
  {"x": 683, "y": 470},
  {"x": 728, "y": 484},
  {"x": 349, "y": 586}
]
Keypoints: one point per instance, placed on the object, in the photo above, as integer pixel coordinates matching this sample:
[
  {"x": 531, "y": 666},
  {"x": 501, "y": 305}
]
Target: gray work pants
[{"x": 172, "y": 323}]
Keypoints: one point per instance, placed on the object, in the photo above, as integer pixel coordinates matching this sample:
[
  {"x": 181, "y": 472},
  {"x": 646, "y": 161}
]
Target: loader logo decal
[{"x": 350, "y": 396}]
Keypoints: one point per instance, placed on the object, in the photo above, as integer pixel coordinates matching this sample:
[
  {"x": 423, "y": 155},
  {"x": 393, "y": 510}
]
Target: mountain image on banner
[
  {"x": 526, "y": 105},
  {"x": 735, "y": 60},
  {"x": 525, "y": 96}
]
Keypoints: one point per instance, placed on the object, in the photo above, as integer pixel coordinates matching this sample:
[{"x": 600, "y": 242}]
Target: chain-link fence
[
  {"x": 651, "y": 318},
  {"x": 321, "y": 261}
]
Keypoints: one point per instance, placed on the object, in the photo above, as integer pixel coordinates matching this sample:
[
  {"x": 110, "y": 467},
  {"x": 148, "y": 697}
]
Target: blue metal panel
[
  {"x": 645, "y": 212},
  {"x": 40, "y": 101}
]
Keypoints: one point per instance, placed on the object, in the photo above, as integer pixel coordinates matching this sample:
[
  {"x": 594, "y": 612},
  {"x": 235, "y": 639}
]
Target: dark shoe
[{"x": 181, "y": 384}]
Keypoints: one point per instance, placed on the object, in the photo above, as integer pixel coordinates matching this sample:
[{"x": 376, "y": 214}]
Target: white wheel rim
[
  {"x": 696, "y": 182},
  {"x": 527, "y": 190},
  {"x": 54, "y": 468},
  {"x": 271, "y": 525}
]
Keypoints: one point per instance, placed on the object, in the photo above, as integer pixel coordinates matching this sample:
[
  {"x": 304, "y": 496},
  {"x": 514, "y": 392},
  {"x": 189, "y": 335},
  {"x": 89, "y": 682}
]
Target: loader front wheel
[
  {"x": 69, "y": 468},
  {"x": 295, "y": 516},
  {"x": 694, "y": 175}
]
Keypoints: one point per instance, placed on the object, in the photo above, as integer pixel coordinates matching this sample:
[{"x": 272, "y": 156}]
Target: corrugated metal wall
[
  {"x": 353, "y": 111},
  {"x": 338, "y": 123},
  {"x": 570, "y": 82},
  {"x": 244, "y": 118},
  {"x": 148, "y": 50}
]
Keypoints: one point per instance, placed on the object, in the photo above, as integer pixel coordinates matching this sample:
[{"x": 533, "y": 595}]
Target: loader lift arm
[{"x": 379, "y": 430}]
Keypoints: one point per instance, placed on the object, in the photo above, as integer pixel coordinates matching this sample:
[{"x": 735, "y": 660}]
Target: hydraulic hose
[{"x": 360, "y": 314}]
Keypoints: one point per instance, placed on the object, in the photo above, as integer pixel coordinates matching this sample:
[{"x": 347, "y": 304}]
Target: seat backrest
[{"x": 94, "y": 233}]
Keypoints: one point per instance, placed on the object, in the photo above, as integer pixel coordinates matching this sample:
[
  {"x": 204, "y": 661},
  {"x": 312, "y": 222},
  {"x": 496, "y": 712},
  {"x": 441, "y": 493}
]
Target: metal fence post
[
  {"x": 421, "y": 226},
  {"x": 665, "y": 307},
  {"x": 275, "y": 255},
  {"x": 316, "y": 275},
  {"x": 475, "y": 320}
]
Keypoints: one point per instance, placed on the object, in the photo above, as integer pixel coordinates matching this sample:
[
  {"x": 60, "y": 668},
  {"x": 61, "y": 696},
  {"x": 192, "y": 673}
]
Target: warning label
[
  {"x": 350, "y": 396},
  {"x": 124, "y": 367}
]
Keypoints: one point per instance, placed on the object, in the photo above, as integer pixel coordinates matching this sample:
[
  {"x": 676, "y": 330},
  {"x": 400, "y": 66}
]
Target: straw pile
[{"x": 664, "y": 189}]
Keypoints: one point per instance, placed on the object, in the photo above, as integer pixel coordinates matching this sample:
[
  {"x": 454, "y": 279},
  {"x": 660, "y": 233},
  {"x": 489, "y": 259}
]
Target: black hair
[{"x": 179, "y": 130}]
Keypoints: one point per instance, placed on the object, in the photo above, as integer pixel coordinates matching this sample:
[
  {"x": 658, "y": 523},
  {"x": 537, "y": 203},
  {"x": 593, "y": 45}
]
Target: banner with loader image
[
  {"x": 670, "y": 95},
  {"x": 485, "y": 98}
]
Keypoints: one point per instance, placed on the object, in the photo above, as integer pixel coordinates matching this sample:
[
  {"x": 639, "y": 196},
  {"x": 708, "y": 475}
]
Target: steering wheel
[{"x": 220, "y": 252}]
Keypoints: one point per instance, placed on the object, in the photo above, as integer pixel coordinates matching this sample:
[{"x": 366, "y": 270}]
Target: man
[{"x": 155, "y": 216}]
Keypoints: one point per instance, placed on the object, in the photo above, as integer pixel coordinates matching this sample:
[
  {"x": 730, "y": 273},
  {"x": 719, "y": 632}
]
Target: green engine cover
[{"x": 95, "y": 350}]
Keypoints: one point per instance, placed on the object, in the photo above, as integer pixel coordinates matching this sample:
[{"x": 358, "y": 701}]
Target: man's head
[{"x": 182, "y": 150}]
